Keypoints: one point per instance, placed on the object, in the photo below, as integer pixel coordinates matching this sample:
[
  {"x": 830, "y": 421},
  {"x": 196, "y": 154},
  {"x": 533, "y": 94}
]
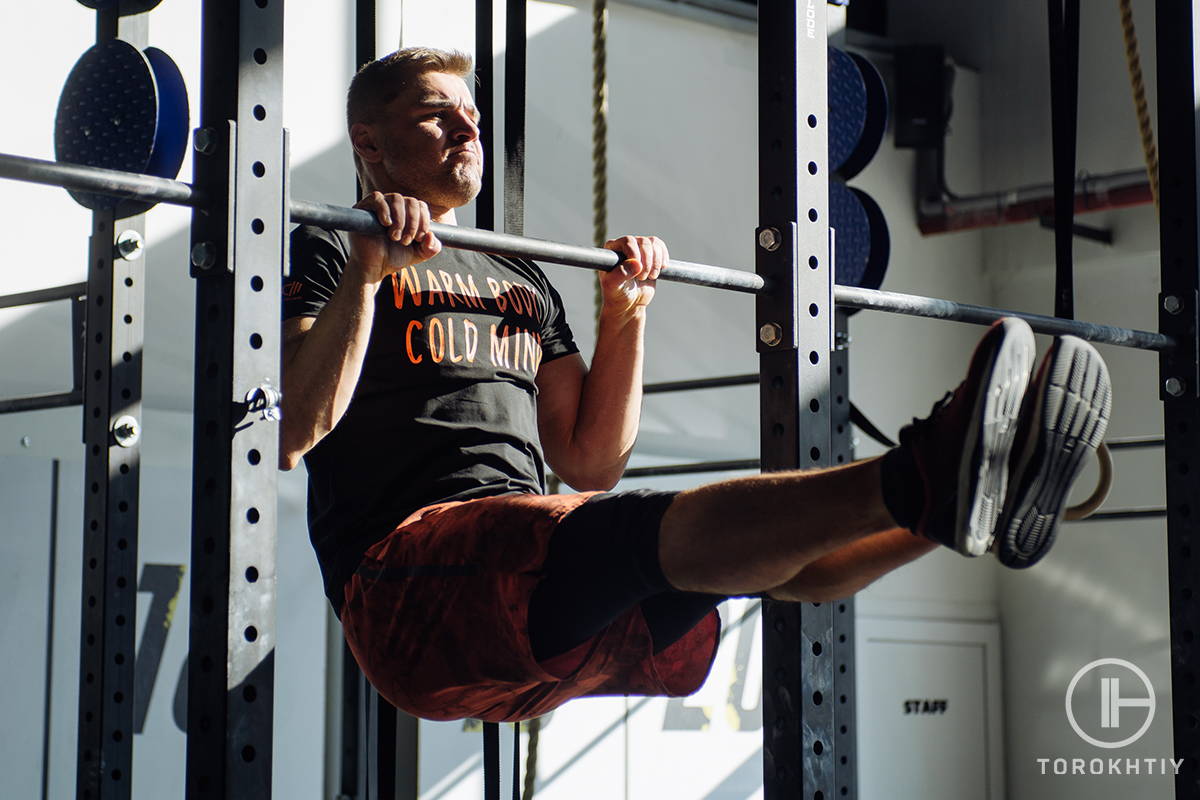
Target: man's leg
[
  {"x": 751, "y": 534},
  {"x": 946, "y": 482},
  {"x": 852, "y": 568}
]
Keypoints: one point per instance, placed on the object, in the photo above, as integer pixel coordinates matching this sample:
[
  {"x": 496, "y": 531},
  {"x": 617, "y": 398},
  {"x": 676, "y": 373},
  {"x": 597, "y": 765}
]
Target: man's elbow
[
  {"x": 591, "y": 479},
  {"x": 290, "y": 451}
]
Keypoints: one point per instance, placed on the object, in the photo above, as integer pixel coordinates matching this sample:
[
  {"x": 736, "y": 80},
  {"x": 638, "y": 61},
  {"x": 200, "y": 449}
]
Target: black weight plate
[
  {"x": 847, "y": 107},
  {"x": 852, "y": 234},
  {"x": 127, "y": 6},
  {"x": 881, "y": 242},
  {"x": 171, "y": 134},
  {"x": 107, "y": 113},
  {"x": 874, "y": 123}
]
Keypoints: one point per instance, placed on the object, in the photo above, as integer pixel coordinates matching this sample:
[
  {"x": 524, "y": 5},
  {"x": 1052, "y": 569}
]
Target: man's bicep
[{"x": 560, "y": 384}]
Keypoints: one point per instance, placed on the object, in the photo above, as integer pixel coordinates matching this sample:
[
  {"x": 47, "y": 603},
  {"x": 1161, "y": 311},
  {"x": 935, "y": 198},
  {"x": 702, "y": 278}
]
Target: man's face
[{"x": 429, "y": 140}]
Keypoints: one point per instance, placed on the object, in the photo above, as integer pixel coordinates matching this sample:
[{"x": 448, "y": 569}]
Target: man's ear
[{"x": 362, "y": 139}]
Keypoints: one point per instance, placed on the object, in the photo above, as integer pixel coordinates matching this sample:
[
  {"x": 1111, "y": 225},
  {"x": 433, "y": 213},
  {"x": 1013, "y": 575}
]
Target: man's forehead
[{"x": 439, "y": 89}]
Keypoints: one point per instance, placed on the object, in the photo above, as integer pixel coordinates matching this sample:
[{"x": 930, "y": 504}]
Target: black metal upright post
[
  {"x": 795, "y": 329},
  {"x": 238, "y": 252},
  {"x": 515, "y": 68},
  {"x": 1180, "y": 367},
  {"x": 844, "y": 705},
  {"x": 485, "y": 85},
  {"x": 112, "y": 412}
]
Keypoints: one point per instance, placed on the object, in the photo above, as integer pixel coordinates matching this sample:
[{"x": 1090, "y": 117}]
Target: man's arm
[
  {"x": 588, "y": 420},
  {"x": 323, "y": 356}
]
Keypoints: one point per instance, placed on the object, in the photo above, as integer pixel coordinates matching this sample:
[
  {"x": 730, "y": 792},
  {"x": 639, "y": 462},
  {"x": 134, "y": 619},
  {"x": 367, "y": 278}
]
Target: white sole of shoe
[{"x": 983, "y": 474}]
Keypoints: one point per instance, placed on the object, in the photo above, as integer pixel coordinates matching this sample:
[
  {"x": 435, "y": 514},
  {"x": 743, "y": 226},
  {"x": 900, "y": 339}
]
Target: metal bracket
[{"x": 778, "y": 253}]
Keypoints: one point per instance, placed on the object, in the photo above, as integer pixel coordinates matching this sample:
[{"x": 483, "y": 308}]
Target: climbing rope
[
  {"x": 1133, "y": 61},
  {"x": 534, "y": 727},
  {"x": 599, "y": 136}
]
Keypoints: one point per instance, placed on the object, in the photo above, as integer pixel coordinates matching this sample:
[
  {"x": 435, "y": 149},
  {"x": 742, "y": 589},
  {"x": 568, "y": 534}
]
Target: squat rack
[{"x": 238, "y": 254}]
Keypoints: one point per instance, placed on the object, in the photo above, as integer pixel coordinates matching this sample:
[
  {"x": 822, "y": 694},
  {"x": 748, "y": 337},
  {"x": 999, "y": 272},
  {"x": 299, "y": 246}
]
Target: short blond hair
[{"x": 381, "y": 81}]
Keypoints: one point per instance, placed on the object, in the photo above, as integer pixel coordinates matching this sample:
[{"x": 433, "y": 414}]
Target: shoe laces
[{"x": 907, "y": 431}]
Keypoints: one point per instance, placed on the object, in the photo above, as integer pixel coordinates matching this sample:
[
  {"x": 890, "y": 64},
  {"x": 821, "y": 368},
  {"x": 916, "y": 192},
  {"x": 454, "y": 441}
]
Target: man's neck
[{"x": 444, "y": 216}]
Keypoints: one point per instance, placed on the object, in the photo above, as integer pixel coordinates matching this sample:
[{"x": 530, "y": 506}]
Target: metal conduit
[{"x": 145, "y": 187}]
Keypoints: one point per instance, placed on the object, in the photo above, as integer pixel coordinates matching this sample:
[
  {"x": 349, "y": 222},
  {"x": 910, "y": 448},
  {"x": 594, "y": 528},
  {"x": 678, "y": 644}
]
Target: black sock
[{"x": 903, "y": 493}]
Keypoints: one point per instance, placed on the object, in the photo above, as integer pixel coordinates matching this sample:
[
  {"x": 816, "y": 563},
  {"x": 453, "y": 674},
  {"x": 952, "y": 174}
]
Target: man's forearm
[
  {"x": 320, "y": 376},
  {"x": 611, "y": 399}
]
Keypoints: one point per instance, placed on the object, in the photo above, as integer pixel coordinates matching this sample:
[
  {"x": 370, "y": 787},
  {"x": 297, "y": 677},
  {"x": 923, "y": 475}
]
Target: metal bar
[
  {"x": 692, "y": 469},
  {"x": 1134, "y": 442},
  {"x": 359, "y": 221},
  {"x": 39, "y": 402},
  {"x": 701, "y": 383},
  {"x": 1126, "y": 513},
  {"x": 52, "y": 581},
  {"x": 126, "y": 185},
  {"x": 1179, "y": 369},
  {"x": 794, "y": 257},
  {"x": 1089, "y": 232},
  {"x": 917, "y": 306},
  {"x": 68, "y": 292}
]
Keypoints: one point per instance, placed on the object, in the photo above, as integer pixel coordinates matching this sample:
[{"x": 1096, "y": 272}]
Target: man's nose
[{"x": 466, "y": 130}]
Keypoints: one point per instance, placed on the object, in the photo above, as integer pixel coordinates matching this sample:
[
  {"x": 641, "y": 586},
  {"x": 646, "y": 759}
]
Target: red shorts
[{"x": 436, "y": 618}]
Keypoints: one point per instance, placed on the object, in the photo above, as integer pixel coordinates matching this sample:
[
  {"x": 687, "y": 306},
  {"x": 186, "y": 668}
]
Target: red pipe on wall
[{"x": 1094, "y": 193}]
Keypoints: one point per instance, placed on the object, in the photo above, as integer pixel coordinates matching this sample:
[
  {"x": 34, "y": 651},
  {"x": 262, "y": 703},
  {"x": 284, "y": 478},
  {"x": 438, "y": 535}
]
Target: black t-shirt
[{"x": 445, "y": 407}]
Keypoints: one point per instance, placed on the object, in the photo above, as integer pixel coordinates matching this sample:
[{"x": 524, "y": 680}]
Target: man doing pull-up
[{"x": 426, "y": 391}]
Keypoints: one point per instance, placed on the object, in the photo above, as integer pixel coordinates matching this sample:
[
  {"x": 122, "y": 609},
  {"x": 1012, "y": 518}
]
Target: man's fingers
[
  {"x": 424, "y": 224},
  {"x": 399, "y": 215},
  {"x": 428, "y": 245},
  {"x": 412, "y": 220},
  {"x": 377, "y": 205},
  {"x": 664, "y": 256}
]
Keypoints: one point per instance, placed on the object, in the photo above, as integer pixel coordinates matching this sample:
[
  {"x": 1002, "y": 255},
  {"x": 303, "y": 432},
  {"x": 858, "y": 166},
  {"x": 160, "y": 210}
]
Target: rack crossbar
[
  {"x": 16, "y": 405},
  {"x": 354, "y": 220},
  {"x": 68, "y": 292},
  {"x": 692, "y": 469},
  {"x": 701, "y": 383},
  {"x": 1134, "y": 442},
  {"x": 1127, "y": 513}
]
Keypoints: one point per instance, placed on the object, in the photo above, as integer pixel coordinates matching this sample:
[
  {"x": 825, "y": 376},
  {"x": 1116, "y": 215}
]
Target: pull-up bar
[
  {"x": 355, "y": 220},
  {"x": 162, "y": 190}
]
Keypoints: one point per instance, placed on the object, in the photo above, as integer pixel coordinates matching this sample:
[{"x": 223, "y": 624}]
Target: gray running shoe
[
  {"x": 962, "y": 449},
  {"x": 1063, "y": 419}
]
